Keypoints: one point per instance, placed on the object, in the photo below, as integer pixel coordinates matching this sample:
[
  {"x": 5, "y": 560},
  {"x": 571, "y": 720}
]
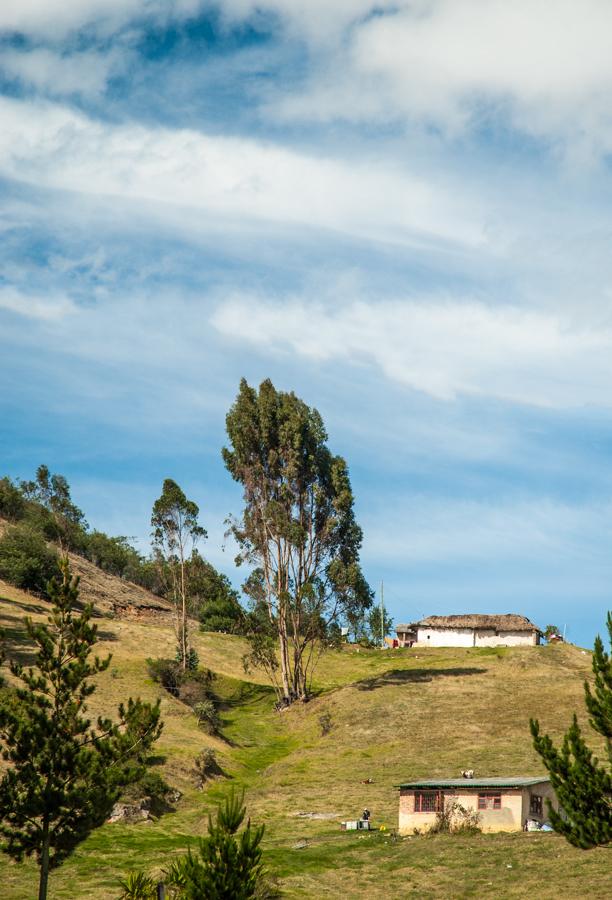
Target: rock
[
  {"x": 172, "y": 796},
  {"x": 129, "y": 813},
  {"x": 315, "y": 815}
]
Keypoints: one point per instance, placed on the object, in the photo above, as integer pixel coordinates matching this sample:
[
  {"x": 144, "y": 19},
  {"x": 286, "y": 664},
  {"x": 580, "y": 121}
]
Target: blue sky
[{"x": 399, "y": 210}]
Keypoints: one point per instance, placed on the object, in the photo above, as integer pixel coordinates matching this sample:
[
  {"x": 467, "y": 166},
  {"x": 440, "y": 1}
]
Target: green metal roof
[{"x": 474, "y": 783}]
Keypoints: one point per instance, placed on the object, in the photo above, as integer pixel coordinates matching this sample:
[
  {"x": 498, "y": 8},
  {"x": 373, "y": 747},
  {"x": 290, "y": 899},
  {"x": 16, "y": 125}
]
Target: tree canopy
[
  {"x": 582, "y": 784},
  {"x": 64, "y": 774},
  {"x": 65, "y": 522},
  {"x": 176, "y": 531},
  {"x": 297, "y": 527}
]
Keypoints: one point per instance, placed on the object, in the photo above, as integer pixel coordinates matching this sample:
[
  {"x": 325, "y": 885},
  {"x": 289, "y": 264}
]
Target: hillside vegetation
[{"x": 395, "y": 715}]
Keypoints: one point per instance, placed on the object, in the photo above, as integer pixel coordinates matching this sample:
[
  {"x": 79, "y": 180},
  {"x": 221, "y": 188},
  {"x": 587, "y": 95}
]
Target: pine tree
[
  {"x": 228, "y": 865},
  {"x": 64, "y": 774},
  {"x": 582, "y": 784}
]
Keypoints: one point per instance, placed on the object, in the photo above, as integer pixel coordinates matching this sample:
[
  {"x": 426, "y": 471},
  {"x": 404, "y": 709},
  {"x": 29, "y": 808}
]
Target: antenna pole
[{"x": 382, "y": 615}]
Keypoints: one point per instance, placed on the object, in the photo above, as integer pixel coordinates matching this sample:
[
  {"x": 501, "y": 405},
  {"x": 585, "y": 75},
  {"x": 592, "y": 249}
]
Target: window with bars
[
  {"x": 427, "y": 801},
  {"x": 489, "y": 800},
  {"x": 536, "y": 805}
]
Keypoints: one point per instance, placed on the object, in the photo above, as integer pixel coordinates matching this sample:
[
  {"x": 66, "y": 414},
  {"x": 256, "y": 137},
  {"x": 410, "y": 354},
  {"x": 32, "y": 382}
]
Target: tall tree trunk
[
  {"x": 284, "y": 655},
  {"x": 44, "y": 862},
  {"x": 183, "y": 631}
]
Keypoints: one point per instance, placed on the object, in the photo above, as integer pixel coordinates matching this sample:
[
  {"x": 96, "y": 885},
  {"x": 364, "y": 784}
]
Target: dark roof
[
  {"x": 509, "y": 622},
  {"x": 409, "y": 627},
  {"x": 511, "y": 782}
]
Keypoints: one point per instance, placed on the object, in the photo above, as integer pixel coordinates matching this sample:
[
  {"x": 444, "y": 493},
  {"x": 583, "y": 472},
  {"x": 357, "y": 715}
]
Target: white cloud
[
  {"x": 541, "y": 67},
  {"x": 55, "y": 18},
  {"x": 443, "y": 349},
  {"x": 318, "y": 21},
  {"x": 241, "y": 179},
  {"x": 34, "y": 306},
  {"x": 315, "y": 19},
  {"x": 52, "y": 73}
]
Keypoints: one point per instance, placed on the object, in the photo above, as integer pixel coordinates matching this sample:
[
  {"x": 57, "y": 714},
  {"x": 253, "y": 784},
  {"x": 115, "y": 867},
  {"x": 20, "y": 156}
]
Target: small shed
[
  {"x": 503, "y": 804},
  {"x": 406, "y": 635}
]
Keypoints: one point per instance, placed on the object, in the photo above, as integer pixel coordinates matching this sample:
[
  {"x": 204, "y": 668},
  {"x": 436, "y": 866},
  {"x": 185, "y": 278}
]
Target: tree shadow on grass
[
  {"x": 108, "y": 636},
  {"x": 414, "y": 676},
  {"x": 16, "y": 644},
  {"x": 28, "y": 608}
]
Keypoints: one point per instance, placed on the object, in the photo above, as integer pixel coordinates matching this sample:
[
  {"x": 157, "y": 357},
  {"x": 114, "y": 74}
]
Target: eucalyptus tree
[
  {"x": 297, "y": 528},
  {"x": 176, "y": 532},
  {"x": 65, "y": 522}
]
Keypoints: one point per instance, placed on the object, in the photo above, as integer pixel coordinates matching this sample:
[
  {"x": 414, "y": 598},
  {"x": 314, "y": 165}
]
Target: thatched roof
[{"x": 510, "y": 622}]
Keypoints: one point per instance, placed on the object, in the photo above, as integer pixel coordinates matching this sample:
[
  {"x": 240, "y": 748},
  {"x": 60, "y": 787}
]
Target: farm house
[
  {"x": 502, "y": 804},
  {"x": 469, "y": 631}
]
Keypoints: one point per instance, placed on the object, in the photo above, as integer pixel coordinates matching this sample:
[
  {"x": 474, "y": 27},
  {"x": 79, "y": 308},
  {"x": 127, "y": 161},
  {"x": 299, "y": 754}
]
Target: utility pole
[{"x": 382, "y": 615}]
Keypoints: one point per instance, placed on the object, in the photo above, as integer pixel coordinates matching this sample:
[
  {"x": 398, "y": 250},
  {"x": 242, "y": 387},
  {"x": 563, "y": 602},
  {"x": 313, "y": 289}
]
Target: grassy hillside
[{"x": 396, "y": 715}]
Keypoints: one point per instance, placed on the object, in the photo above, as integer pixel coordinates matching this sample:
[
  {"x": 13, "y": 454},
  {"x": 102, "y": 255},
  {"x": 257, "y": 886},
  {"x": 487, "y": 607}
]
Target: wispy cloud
[
  {"x": 442, "y": 348},
  {"x": 35, "y": 307},
  {"x": 459, "y": 64},
  {"x": 53, "y": 146},
  {"x": 54, "y": 73},
  {"x": 368, "y": 202},
  {"x": 58, "y": 18}
]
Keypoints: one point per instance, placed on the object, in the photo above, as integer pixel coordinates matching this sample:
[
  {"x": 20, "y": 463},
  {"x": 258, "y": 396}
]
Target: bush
[
  {"x": 167, "y": 673},
  {"x": 207, "y": 716},
  {"x": 138, "y": 886},
  {"x": 212, "y": 598},
  {"x": 205, "y": 766},
  {"x": 112, "y": 554},
  {"x": 12, "y": 503},
  {"x": 193, "y": 660},
  {"x": 25, "y": 559},
  {"x": 150, "y": 785},
  {"x": 454, "y": 818},
  {"x": 325, "y": 721}
]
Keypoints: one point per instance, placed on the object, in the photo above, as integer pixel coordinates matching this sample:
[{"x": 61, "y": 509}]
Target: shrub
[
  {"x": 192, "y": 661},
  {"x": 454, "y": 818},
  {"x": 150, "y": 785},
  {"x": 112, "y": 554},
  {"x": 325, "y": 721},
  {"x": 212, "y": 598},
  {"x": 138, "y": 886},
  {"x": 205, "y": 766},
  {"x": 25, "y": 559},
  {"x": 12, "y": 504},
  {"x": 167, "y": 673},
  {"x": 207, "y": 716}
]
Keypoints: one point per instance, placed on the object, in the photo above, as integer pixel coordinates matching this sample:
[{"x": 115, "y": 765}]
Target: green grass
[{"x": 395, "y": 715}]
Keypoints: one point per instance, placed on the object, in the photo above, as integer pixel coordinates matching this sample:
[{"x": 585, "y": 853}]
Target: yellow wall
[
  {"x": 546, "y": 792},
  {"x": 511, "y": 817}
]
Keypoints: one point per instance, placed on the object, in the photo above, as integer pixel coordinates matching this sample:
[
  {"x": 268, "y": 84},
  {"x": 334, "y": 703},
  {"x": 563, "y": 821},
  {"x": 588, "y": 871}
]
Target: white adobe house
[{"x": 470, "y": 631}]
